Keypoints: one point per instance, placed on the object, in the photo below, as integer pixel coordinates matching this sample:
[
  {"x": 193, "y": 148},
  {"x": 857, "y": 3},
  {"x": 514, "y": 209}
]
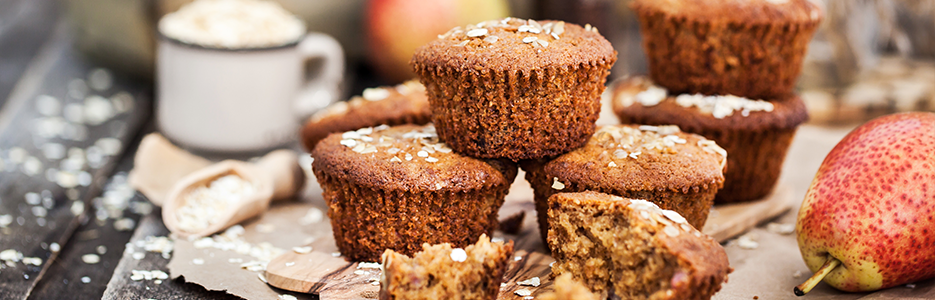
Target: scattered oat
[
  {"x": 517, "y": 258},
  {"x": 85, "y": 279},
  {"x": 780, "y": 228},
  {"x": 336, "y": 254},
  {"x": 124, "y": 224},
  {"x": 100, "y": 79},
  {"x": 91, "y": 258},
  {"x": 747, "y": 241},
  {"x": 254, "y": 266},
  {"x": 101, "y": 249},
  {"x": 529, "y": 39},
  {"x": 375, "y": 94},
  {"x": 911, "y": 285},
  {"x": 302, "y": 250},
  {"x": 287, "y": 297},
  {"x": 369, "y": 265},
  {"x": 55, "y": 247},
  {"x": 48, "y": 106},
  {"x": 262, "y": 277},
  {"x": 523, "y": 292},
  {"x": 458, "y": 255},
  {"x": 314, "y": 215},
  {"x": 138, "y": 255},
  {"x": 198, "y": 261},
  {"x": 291, "y": 263},
  {"x": 35, "y": 261},
  {"x": 797, "y": 274},
  {"x": 530, "y": 282}
]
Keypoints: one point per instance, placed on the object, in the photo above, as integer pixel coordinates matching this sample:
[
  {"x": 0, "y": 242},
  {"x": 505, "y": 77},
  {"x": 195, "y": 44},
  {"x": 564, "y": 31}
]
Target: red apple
[
  {"x": 395, "y": 28},
  {"x": 868, "y": 219}
]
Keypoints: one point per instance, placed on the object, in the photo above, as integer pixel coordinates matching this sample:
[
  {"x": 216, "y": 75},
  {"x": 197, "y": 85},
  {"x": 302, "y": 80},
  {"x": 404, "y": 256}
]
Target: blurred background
[{"x": 871, "y": 57}]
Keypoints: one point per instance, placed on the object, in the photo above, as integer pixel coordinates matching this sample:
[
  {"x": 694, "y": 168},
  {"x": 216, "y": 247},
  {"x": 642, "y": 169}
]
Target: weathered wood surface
[
  {"x": 25, "y": 25},
  {"x": 56, "y": 155}
]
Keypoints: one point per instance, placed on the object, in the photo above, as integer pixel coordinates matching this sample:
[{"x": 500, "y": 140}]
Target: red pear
[{"x": 868, "y": 219}]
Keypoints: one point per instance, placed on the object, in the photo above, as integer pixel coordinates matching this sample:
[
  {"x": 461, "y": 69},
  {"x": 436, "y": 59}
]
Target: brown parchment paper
[{"x": 766, "y": 272}]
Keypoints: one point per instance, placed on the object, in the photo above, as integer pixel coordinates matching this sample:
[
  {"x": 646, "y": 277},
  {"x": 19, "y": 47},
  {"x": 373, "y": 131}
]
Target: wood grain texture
[
  {"x": 64, "y": 274},
  {"x": 38, "y": 224},
  {"x": 25, "y": 26}
]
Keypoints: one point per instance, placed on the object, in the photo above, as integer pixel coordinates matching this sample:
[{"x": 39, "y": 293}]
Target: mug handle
[{"x": 321, "y": 91}]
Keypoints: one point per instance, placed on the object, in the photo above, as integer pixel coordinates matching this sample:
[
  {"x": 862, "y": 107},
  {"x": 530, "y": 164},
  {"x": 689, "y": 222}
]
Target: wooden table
[{"x": 36, "y": 58}]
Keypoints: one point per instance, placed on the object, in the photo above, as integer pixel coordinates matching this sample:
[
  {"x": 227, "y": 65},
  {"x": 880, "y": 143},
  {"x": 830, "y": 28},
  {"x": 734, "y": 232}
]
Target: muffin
[
  {"x": 675, "y": 170},
  {"x": 513, "y": 88},
  {"x": 755, "y": 133},
  {"x": 405, "y": 103},
  {"x": 632, "y": 248},
  {"x": 748, "y": 48},
  {"x": 566, "y": 287},
  {"x": 399, "y": 187},
  {"x": 443, "y": 272}
]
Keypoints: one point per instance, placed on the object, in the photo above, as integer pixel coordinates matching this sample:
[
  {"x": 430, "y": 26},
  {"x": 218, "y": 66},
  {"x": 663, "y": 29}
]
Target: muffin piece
[
  {"x": 755, "y": 133},
  {"x": 405, "y": 103},
  {"x": 675, "y": 170},
  {"x": 567, "y": 288},
  {"x": 748, "y": 48},
  {"x": 517, "y": 89},
  {"x": 398, "y": 187},
  {"x": 440, "y": 272},
  {"x": 632, "y": 248}
]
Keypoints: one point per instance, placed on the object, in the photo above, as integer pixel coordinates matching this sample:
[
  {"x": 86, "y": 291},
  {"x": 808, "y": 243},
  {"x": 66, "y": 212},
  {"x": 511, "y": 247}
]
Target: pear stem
[{"x": 808, "y": 285}]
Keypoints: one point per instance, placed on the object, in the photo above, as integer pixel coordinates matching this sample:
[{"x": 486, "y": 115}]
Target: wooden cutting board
[{"x": 331, "y": 277}]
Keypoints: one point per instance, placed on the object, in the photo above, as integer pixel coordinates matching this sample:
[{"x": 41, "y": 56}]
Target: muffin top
[
  {"x": 405, "y": 102},
  {"x": 631, "y": 157},
  {"x": 406, "y": 158},
  {"x": 513, "y": 44},
  {"x": 734, "y": 11},
  {"x": 639, "y": 97}
]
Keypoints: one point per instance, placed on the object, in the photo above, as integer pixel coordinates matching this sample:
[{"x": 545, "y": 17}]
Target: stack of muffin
[
  {"x": 514, "y": 92},
  {"x": 725, "y": 70}
]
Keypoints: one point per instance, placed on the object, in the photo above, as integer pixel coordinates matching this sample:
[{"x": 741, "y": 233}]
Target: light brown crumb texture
[
  {"x": 632, "y": 248},
  {"x": 443, "y": 272}
]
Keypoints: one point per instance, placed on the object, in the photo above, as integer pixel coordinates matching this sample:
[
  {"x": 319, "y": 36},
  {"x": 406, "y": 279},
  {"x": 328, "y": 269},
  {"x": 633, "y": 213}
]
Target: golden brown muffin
[
  {"x": 755, "y": 133},
  {"x": 514, "y": 88},
  {"x": 632, "y": 248},
  {"x": 398, "y": 187},
  {"x": 443, "y": 272},
  {"x": 405, "y": 103},
  {"x": 751, "y": 48},
  {"x": 676, "y": 170},
  {"x": 567, "y": 288}
]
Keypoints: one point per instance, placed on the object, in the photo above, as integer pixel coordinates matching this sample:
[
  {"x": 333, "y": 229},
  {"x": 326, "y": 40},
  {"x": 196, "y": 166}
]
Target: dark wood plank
[
  {"x": 25, "y": 25},
  {"x": 34, "y": 147},
  {"x": 66, "y": 274}
]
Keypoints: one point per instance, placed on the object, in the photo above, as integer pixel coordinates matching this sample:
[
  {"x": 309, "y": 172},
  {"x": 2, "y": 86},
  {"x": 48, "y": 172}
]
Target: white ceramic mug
[{"x": 242, "y": 100}]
